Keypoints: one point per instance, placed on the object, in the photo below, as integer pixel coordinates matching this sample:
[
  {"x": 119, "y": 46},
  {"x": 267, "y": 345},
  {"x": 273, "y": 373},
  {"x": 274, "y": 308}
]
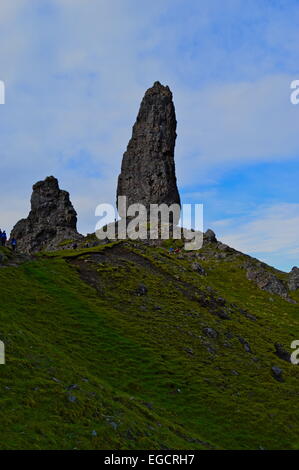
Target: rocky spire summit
[
  {"x": 148, "y": 169},
  {"x": 52, "y": 219}
]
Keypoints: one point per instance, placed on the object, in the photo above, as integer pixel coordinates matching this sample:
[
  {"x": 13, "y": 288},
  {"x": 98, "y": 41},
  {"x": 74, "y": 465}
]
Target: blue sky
[{"x": 76, "y": 70}]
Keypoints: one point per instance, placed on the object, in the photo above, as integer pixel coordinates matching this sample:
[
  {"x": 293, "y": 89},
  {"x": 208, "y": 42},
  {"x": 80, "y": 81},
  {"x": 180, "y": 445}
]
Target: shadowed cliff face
[
  {"x": 51, "y": 220},
  {"x": 148, "y": 170}
]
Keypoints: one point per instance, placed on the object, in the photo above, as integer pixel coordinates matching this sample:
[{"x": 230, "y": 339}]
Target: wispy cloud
[
  {"x": 228, "y": 125},
  {"x": 265, "y": 232}
]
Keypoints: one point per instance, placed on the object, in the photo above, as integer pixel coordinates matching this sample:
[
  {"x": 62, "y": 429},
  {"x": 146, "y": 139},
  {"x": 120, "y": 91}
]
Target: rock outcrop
[
  {"x": 268, "y": 282},
  {"x": 52, "y": 219},
  {"x": 209, "y": 236},
  {"x": 148, "y": 169},
  {"x": 293, "y": 279}
]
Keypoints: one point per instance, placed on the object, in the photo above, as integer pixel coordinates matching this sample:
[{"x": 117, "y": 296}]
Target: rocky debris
[
  {"x": 210, "y": 349},
  {"x": 247, "y": 314},
  {"x": 245, "y": 344},
  {"x": 148, "y": 169},
  {"x": 223, "y": 251},
  {"x": 220, "y": 255},
  {"x": 73, "y": 387},
  {"x": 277, "y": 373},
  {"x": 52, "y": 219},
  {"x": 282, "y": 353},
  {"x": 56, "y": 380},
  {"x": 209, "y": 237},
  {"x": 141, "y": 290},
  {"x": 223, "y": 247},
  {"x": 268, "y": 282},
  {"x": 113, "y": 424},
  {"x": 224, "y": 312},
  {"x": 198, "y": 268},
  {"x": 72, "y": 398},
  {"x": 250, "y": 316},
  {"x": 210, "y": 332},
  {"x": 189, "y": 351},
  {"x": 293, "y": 279},
  {"x": 215, "y": 305}
]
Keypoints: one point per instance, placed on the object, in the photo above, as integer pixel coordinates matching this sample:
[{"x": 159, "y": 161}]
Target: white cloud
[
  {"x": 268, "y": 232},
  {"x": 225, "y": 125}
]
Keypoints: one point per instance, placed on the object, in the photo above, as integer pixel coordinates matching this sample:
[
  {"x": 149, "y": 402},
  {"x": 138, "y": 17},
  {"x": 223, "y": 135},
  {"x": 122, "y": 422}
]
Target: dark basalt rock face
[
  {"x": 148, "y": 169},
  {"x": 52, "y": 219}
]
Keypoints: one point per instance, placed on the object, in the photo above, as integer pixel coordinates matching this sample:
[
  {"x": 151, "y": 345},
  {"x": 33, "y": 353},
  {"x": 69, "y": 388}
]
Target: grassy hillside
[{"x": 126, "y": 346}]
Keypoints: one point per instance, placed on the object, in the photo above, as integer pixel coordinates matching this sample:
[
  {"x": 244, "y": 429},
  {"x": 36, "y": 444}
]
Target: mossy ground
[{"x": 92, "y": 364}]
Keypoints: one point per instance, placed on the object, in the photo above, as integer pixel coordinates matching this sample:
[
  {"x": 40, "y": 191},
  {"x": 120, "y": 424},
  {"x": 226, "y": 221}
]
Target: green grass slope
[{"x": 108, "y": 348}]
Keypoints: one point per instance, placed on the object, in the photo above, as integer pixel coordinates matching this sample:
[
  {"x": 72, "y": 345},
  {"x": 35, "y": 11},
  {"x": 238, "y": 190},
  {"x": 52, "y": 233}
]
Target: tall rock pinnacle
[
  {"x": 51, "y": 220},
  {"x": 148, "y": 170}
]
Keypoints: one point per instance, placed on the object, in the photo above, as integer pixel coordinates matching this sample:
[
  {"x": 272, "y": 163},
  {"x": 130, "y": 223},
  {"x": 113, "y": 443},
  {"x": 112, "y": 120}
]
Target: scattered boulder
[
  {"x": 73, "y": 387},
  {"x": 210, "y": 332},
  {"x": 113, "y": 424},
  {"x": 277, "y": 373},
  {"x": 56, "y": 380},
  {"x": 216, "y": 305},
  {"x": 148, "y": 169},
  {"x": 245, "y": 344},
  {"x": 189, "y": 351},
  {"x": 222, "y": 314},
  {"x": 72, "y": 398},
  {"x": 293, "y": 279},
  {"x": 221, "y": 301},
  {"x": 198, "y": 268},
  {"x": 141, "y": 290},
  {"x": 210, "y": 349},
  {"x": 52, "y": 219},
  {"x": 209, "y": 237},
  {"x": 282, "y": 353},
  {"x": 247, "y": 314}
]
